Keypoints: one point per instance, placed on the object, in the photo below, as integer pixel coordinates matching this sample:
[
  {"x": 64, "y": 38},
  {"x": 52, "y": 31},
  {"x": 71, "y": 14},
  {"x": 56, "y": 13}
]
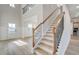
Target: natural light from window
[
  {"x": 29, "y": 25},
  {"x": 20, "y": 43},
  {"x": 11, "y": 27}
]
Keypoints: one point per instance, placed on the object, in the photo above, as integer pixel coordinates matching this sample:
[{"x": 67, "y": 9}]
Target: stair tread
[
  {"x": 48, "y": 38},
  {"x": 52, "y": 25},
  {"x": 48, "y": 34},
  {"x": 40, "y": 52},
  {"x": 50, "y": 30},
  {"x": 49, "y": 43},
  {"x": 46, "y": 48}
]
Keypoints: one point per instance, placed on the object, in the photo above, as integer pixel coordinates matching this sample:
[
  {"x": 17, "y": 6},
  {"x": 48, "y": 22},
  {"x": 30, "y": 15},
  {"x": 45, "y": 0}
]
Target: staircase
[
  {"x": 48, "y": 43},
  {"x": 46, "y": 46}
]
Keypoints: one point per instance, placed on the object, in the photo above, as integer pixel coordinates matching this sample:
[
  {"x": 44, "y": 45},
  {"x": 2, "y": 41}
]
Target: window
[
  {"x": 29, "y": 25},
  {"x": 11, "y": 27}
]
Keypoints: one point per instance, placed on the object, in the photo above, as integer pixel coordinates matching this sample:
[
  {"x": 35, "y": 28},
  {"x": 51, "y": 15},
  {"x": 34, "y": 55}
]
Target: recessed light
[{"x": 12, "y": 5}]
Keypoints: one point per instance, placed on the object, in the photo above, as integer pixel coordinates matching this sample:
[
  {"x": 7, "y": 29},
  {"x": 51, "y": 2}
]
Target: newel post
[
  {"x": 54, "y": 37},
  {"x": 33, "y": 37}
]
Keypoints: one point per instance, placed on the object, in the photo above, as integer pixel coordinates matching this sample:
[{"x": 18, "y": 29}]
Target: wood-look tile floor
[
  {"x": 16, "y": 47},
  {"x": 73, "y": 48}
]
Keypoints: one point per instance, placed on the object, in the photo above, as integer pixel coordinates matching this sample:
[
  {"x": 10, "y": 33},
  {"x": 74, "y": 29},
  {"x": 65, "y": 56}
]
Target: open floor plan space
[
  {"x": 15, "y": 47},
  {"x": 39, "y": 29}
]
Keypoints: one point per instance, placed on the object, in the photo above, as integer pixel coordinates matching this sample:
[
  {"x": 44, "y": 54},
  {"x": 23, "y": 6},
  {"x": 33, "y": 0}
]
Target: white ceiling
[{"x": 74, "y": 12}]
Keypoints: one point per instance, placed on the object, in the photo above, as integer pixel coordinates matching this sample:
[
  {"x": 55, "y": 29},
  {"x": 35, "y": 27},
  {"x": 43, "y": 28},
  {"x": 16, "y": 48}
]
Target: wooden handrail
[
  {"x": 46, "y": 19},
  {"x": 58, "y": 19}
]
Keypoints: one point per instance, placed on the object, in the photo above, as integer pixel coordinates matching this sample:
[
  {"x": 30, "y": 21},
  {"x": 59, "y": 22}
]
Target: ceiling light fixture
[
  {"x": 12, "y": 5},
  {"x": 59, "y": 5}
]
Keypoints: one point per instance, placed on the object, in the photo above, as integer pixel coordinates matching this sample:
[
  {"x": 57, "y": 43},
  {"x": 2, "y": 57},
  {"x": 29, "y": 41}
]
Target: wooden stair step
[
  {"x": 49, "y": 43},
  {"x": 49, "y": 38},
  {"x": 49, "y": 32},
  {"x": 49, "y": 35},
  {"x": 51, "y": 29},
  {"x": 39, "y": 51},
  {"x": 46, "y": 48}
]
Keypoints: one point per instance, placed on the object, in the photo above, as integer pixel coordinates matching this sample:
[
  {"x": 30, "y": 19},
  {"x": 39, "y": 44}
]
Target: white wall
[
  {"x": 33, "y": 16},
  {"x": 47, "y": 10},
  {"x": 66, "y": 36},
  {"x": 10, "y": 15},
  {"x": 37, "y": 14}
]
